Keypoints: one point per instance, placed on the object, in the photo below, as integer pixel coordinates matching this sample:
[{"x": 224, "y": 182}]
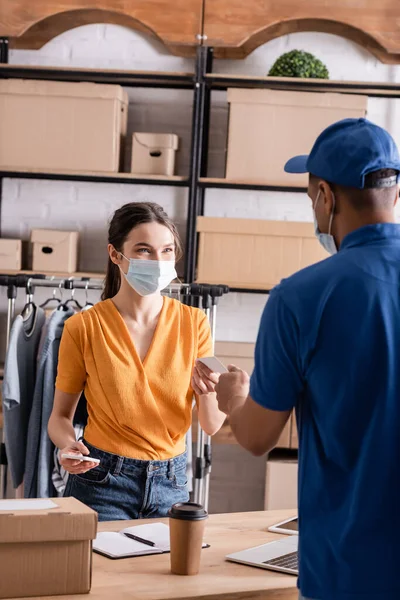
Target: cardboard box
[
  {"x": 254, "y": 254},
  {"x": 10, "y": 254},
  {"x": 52, "y": 125},
  {"x": 154, "y": 153},
  {"x": 46, "y": 552},
  {"x": 294, "y": 438},
  {"x": 281, "y": 485},
  {"x": 241, "y": 355},
  {"x": 267, "y": 127},
  {"x": 285, "y": 437},
  {"x": 54, "y": 251}
]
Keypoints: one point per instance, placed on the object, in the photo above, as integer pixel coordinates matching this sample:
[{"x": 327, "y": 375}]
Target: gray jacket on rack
[
  {"x": 39, "y": 450},
  {"x": 18, "y": 386}
]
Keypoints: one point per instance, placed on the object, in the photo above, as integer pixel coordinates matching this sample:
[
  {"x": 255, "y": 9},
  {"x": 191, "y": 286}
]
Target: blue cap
[{"x": 345, "y": 152}]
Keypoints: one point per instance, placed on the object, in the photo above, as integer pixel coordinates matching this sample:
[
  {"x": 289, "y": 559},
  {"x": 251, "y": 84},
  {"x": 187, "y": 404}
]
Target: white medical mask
[
  {"x": 326, "y": 240},
  {"x": 148, "y": 277}
]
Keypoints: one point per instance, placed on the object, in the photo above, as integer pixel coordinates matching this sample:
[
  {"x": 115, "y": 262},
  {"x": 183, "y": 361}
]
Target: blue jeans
[
  {"x": 125, "y": 488},
  {"x": 302, "y": 597}
]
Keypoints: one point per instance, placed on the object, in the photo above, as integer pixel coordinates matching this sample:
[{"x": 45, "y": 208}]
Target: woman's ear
[{"x": 115, "y": 256}]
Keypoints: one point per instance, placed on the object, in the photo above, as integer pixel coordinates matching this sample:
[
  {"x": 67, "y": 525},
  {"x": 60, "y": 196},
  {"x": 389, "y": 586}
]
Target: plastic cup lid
[{"x": 189, "y": 511}]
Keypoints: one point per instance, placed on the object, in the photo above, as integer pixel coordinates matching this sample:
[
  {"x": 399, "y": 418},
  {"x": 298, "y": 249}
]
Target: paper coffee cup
[{"x": 186, "y": 528}]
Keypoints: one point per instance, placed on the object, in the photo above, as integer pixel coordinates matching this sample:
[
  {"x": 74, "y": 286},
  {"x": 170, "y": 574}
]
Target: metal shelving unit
[
  {"x": 126, "y": 78},
  {"x": 95, "y": 177},
  {"x": 227, "y": 184},
  {"x": 221, "y": 82},
  {"x": 202, "y": 82},
  {"x": 153, "y": 79}
]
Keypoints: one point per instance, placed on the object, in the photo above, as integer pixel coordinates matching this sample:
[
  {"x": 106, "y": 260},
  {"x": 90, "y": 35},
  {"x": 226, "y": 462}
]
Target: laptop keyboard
[{"x": 287, "y": 561}]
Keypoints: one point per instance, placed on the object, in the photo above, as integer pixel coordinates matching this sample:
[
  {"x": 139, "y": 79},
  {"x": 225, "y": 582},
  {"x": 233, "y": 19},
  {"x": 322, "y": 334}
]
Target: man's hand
[{"x": 232, "y": 389}]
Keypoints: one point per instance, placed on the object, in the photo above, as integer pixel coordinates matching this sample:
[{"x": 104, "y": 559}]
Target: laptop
[{"x": 280, "y": 555}]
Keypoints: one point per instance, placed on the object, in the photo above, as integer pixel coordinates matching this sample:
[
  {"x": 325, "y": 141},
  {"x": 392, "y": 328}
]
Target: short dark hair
[
  {"x": 124, "y": 220},
  {"x": 375, "y": 195},
  {"x": 375, "y": 179}
]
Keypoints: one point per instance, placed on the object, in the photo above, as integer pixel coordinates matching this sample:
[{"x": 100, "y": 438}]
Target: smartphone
[
  {"x": 213, "y": 364},
  {"x": 81, "y": 457}
]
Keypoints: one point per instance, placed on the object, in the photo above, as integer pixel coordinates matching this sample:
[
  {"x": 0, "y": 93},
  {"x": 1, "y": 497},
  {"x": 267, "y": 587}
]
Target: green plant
[{"x": 298, "y": 63}]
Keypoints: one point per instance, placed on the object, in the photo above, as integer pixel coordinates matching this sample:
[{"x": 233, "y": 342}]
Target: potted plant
[{"x": 298, "y": 63}]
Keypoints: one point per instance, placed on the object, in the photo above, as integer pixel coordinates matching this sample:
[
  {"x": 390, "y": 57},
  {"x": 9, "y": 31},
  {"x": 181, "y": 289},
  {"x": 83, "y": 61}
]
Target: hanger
[
  {"x": 87, "y": 303},
  {"x": 29, "y": 305},
  {"x": 66, "y": 304},
  {"x": 30, "y": 308},
  {"x": 53, "y": 298}
]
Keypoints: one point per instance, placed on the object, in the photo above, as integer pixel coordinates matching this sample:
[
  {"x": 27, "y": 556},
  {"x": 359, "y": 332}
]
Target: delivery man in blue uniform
[{"x": 329, "y": 346}]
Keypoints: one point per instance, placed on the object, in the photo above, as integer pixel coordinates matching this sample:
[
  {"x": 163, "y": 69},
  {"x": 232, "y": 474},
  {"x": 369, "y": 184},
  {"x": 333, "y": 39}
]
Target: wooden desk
[{"x": 148, "y": 577}]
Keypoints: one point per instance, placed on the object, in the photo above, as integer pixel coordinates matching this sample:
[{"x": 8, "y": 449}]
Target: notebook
[{"x": 139, "y": 540}]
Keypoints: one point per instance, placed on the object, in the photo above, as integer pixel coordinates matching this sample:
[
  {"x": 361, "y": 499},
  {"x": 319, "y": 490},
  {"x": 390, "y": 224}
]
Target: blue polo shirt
[{"x": 329, "y": 345}]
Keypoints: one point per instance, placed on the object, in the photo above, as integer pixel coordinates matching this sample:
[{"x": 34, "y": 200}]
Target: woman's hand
[
  {"x": 203, "y": 379},
  {"x": 75, "y": 467},
  {"x": 203, "y": 383}
]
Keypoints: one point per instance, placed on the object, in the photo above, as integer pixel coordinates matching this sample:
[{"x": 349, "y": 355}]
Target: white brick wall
[{"x": 87, "y": 206}]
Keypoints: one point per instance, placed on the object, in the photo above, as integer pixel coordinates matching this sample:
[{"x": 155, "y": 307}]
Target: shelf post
[
  {"x": 3, "y": 59},
  {"x": 3, "y": 50},
  {"x": 199, "y": 151},
  {"x": 11, "y": 300}
]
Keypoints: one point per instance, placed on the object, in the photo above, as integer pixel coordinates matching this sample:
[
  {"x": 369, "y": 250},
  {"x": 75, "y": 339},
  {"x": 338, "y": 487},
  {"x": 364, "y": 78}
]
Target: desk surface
[{"x": 148, "y": 577}]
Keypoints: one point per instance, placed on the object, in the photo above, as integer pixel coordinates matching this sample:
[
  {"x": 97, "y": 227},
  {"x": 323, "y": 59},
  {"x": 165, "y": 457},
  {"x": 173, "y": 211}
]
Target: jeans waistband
[{"x": 114, "y": 462}]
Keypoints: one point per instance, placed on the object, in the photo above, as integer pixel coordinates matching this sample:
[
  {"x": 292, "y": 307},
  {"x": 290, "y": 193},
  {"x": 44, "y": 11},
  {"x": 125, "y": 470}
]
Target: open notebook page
[
  {"x": 115, "y": 545},
  {"x": 118, "y": 545},
  {"x": 157, "y": 533}
]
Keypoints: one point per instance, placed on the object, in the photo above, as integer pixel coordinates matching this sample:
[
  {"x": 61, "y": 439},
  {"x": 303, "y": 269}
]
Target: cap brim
[{"x": 297, "y": 164}]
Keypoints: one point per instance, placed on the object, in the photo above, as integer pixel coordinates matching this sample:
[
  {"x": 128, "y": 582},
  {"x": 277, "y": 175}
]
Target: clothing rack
[{"x": 203, "y": 296}]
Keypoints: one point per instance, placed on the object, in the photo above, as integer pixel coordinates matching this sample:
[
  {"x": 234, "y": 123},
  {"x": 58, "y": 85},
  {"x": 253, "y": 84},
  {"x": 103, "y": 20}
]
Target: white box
[
  {"x": 55, "y": 251},
  {"x": 154, "y": 153},
  {"x": 281, "y": 484}
]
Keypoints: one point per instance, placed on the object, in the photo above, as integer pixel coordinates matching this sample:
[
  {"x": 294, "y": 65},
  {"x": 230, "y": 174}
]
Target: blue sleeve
[{"x": 277, "y": 382}]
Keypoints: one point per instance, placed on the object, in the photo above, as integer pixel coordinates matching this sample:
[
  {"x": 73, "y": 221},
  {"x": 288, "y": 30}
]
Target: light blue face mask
[
  {"x": 148, "y": 277},
  {"x": 326, "y": 240}
]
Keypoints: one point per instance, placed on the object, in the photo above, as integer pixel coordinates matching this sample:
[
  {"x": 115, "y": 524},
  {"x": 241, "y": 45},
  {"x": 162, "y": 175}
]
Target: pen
[{"x": 139, "y": 539}]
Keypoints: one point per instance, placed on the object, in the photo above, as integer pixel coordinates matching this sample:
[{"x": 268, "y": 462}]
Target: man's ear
[{"x": 327, "y": 197}]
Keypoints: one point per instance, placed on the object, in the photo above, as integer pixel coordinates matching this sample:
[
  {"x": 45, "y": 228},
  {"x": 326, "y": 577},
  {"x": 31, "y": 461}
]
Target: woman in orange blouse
[{"x": 134, "y": 355}]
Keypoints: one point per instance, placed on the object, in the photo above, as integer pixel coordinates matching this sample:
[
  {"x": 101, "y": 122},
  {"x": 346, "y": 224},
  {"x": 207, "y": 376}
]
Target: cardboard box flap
[
  {"x": 255, "y": 227},
  {"x": 26, "y": 87},
  {"x": 157, "y": 141},
  {"x": 50, "y": 236},
  {"x": 298, "y": 99},
  {"x": 70, "y": 521}
]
